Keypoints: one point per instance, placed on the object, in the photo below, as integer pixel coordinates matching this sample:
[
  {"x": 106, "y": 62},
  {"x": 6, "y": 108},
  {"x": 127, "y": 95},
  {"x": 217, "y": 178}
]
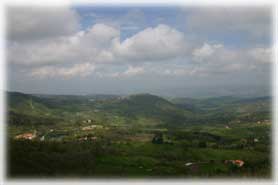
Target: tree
[{"x": 202, "y": 144}]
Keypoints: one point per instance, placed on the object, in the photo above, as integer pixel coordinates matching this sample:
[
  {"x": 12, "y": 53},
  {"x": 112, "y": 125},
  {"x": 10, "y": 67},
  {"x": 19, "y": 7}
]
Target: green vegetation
[{"x": 137, "y": 136}]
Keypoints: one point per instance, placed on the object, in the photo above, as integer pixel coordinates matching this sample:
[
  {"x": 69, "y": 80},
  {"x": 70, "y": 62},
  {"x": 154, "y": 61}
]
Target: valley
[{"x": 138, "y": 136}]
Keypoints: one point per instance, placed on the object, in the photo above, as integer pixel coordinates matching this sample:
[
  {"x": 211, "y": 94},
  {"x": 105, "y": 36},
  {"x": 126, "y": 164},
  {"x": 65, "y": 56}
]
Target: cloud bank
[{"x": 49, "y": 43}]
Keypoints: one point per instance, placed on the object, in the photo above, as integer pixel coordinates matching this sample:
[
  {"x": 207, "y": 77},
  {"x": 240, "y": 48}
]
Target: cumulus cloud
[
  {"x": 158, "y": 43},
  {"x": 50, "y": 51},
  {"x": 129, "y": 72},
  {"x": 48, "y": 40},
  {"x": 82, "y": 70},
  {"x": 215, "y": 54},
  {"x": 32, "y": 23},
  {"x": 88, "y": 46},
  {"x": 101, "y": 44},
  {"x": 216, "y": 58},
  {"x": 101, "y": 34},
  {"x": 261, "y": 55},
  {"x": 206, "y": 50}
]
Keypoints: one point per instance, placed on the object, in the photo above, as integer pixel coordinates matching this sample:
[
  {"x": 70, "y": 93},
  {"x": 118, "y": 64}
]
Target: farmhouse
[{"x": 237, "y": 162}]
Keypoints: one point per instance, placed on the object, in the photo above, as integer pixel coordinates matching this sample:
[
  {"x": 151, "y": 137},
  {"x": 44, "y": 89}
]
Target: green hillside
[
  {"x": 134, "y": 108},
  {"x": 139, "y": 135},
  {"x": 142, "y": 108}
]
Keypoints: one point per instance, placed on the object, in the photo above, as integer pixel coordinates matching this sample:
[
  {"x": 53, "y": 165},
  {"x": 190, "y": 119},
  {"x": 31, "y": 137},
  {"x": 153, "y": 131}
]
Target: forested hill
[{"x": 143, "y": 108}]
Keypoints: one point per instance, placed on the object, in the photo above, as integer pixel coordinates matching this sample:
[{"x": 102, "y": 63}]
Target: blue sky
[
  {"x": 129, "y": 19},
  {"x": 136, "y": 49},
  {"x": 142, "y": 17}
]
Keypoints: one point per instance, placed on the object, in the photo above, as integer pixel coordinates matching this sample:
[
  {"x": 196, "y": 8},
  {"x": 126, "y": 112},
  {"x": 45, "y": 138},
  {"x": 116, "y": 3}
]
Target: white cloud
[
  {"x": 101, "y": 44},
  {"x": 215, "y": 54},
  {"x": 88, "y": 46},
  {"x": 42, "y": 52},
  {"x": 129, "y": 72},
  {"x": 206, "y": 50},
  {"x": 32, "y": 23},
  {"x": 221, "y": 59},
  {"x": 49, "y": 40},
  {"x": 100, "y": 35},
  {"x": 151, "y": 44},
  {"x": 82, "y": 70},
  {"x": 261, "y": 55}
]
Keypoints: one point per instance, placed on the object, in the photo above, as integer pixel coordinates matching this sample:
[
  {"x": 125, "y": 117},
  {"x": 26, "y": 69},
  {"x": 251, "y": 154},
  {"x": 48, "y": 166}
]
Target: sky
[{"x": 163, "y": 50}]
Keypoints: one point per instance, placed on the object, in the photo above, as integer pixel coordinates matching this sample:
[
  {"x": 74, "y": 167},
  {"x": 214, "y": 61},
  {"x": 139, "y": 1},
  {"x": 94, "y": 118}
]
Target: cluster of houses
[
  {"x": 88, "y": 138},
  {"x": 263, "y": 122},
  {"x": 27, "y": 136},
  {"x": 88, "y": 121}
]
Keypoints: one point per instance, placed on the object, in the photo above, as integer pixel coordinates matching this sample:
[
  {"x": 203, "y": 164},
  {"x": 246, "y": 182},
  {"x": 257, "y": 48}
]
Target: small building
[
  {"x": 87, "y": 138},
  {"x": 188, "y": 164},
  {"x": 238, "y": 163},
  {"x": 88, "y": 121},
  {"x": 83, "y": 138},
  {"x": 93, "y": 138},
  {"x": 42, "y": 138}
]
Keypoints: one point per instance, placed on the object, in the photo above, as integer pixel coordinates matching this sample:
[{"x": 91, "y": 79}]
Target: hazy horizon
[{"x": 183, "y": 94}]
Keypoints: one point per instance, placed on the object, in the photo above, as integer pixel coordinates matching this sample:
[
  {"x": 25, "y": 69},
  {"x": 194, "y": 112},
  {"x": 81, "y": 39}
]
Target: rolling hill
[{"x": 138, "y": 108}]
